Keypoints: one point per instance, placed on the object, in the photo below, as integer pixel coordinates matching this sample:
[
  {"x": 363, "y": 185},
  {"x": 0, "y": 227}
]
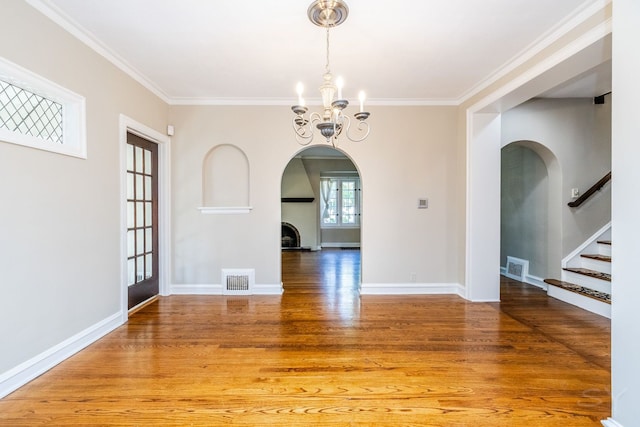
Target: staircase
[{"x": 586, "y": 276}]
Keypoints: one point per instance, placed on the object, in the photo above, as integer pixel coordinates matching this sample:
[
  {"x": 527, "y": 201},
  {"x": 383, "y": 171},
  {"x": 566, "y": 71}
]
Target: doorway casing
[
  {"x": 127, "y": 124},
  {"x": 343, "y": 155},
  {"x": 483, "y": 145}
]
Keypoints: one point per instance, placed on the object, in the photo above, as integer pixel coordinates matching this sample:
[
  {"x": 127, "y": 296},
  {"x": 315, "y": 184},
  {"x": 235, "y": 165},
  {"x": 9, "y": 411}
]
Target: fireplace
[{"x": 290, "y": 236}]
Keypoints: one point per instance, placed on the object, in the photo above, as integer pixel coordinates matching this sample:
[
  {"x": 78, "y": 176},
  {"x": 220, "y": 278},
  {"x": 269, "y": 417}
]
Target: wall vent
[
  {"x": 237, "y": 282},
  {"x": 517, "y": 269}
]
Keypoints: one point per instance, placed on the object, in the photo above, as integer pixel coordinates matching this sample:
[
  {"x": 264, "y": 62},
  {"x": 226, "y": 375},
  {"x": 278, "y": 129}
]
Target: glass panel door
[{"x": 142, "y": 219}]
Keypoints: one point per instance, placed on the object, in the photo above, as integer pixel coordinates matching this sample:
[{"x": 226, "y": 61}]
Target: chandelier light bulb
[
  {"x": 299, "y": 90},
  {"x": 362, "y": 96},
  {"x": 340, "y": 85}
]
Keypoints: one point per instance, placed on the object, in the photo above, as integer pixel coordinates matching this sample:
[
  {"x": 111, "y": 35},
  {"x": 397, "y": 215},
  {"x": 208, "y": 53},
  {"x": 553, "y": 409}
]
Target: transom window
[
  {"x": 340, "y": 201},
  {"x": 30, "y": 114},
  {"x": 40, "y": 114}
]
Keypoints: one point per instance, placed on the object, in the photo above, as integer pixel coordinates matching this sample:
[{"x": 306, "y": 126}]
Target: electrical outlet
[
  {"x": 575, "y": 192},
  {"x": 413, "y": 277}
]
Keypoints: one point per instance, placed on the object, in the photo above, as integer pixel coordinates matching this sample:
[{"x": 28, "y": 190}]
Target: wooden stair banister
[{"x": 590, "y": 192}]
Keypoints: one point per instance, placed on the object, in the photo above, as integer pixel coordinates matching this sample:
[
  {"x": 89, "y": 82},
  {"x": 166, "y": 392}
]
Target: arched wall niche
[{"x": 225, "y": 180}]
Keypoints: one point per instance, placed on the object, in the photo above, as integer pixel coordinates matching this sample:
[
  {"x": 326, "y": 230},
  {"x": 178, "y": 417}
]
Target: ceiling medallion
[{"x": 331, "y": 122}]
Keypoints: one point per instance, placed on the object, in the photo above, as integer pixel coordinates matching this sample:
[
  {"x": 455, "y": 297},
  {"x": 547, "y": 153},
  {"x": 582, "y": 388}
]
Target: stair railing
[{"x": 591, "y": 191}]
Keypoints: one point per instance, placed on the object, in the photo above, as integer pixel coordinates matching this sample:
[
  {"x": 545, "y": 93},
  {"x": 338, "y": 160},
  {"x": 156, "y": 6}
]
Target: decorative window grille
[
  {"x": 38, "y": 113},
  {"x": 28, "y": 113}
]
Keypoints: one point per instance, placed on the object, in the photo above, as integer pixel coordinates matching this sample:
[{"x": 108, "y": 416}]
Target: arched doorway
[
  {"x": 531, "y": 223},
  {"x": 483, "y": 144},
  {"x": 321, "y": 209}
]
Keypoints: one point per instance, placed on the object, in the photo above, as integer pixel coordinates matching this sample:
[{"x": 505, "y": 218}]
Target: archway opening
[
  {"x": 321, "y": 199},
  {"x": 531, "y": 223}
]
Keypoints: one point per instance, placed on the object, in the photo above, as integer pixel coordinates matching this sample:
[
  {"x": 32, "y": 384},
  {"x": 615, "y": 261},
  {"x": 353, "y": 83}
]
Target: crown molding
[
  {"x": 67, "y": 23},
  {"x": 399, "y": 102},
  {"x": 572, "y": 21},
  {"x": 579, "y": 16}
]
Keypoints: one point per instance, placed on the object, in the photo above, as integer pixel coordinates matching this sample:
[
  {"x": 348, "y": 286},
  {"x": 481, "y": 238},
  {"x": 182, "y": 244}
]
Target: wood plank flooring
[{"x": 322, "y": 355}]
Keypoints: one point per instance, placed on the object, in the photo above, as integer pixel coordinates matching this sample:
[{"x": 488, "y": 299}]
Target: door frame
[
  {"x": 318, "y": 225},
  {"x": 483, "y": 145},
  {"x": 129, "y": 125}
]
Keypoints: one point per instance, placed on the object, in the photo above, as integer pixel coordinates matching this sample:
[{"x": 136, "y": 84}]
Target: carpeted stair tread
[
  {"x": 587, "y": 292},
  {"x": 590, "y": 273},
  {"x": 605, "y": 258}
]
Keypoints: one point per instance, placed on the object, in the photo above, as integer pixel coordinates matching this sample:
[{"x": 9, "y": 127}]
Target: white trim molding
[
  {"x": 578, "y": 17},
  {"x": 128, "y": 124},
  {"x": 196, "y": 289},
  {"x": 536, "y": 281},
  {"x": 340, "y": 245},
  {"x": 483, "y": 151},
  {"x": 591, "y": 240},
  {"x": 275, "y": 289},
  {"x": 15, "y": 378},
  {"x": 56, "y": 14},
  {"x": 610, "y": 422},
  {"x": 230, "y": 210},
  {"x": 579, "y": 44},
  {"x": 411, "y": 289},
  {"x": 529, "y": 279},
  {"x": 74, "y": 132},
  {"x": 217, "y": 289}
]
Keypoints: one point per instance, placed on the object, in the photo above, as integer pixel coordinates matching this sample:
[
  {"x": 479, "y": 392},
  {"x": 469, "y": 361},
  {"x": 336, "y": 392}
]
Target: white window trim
[{"x": 74, "y": 135}]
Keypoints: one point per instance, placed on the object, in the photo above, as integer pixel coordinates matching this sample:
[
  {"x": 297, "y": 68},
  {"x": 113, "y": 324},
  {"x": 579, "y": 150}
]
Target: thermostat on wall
[{"x": 423, "y": 203}]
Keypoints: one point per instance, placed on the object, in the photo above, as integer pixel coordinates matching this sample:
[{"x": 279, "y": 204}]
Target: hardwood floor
[{"x": 322, "y": 355}]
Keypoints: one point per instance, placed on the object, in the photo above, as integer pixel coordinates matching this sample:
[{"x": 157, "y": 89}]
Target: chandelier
[{"x": 332, "y": 121}]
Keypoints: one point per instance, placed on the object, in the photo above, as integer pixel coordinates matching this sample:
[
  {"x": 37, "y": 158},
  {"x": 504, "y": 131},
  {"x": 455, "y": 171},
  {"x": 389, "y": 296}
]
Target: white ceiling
[{"x": 250, "y": 51}]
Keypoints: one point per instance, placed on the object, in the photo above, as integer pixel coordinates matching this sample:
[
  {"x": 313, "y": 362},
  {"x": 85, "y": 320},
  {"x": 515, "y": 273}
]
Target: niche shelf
[
  {"x": 225, "y": 181},
  {"x": 211, "y": 210}
]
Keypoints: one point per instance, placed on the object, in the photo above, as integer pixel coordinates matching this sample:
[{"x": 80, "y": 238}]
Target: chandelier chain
[{"x": 327, "y": 70}]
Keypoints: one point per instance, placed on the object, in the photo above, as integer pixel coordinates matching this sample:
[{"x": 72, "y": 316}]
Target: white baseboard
[
  {"x": 340, "y": 245},
  {"x": 610, "y": 422},
  {"x": 216, "y": 289},
  {"x": 530, "y": 279},
  {"x": 536, "y": 281},
  {"x": 268, "y": 289},
  {"x": 16, "y": 377},
  {"x": 202, "y": 289},
  {"x": 411, "y": 289}
]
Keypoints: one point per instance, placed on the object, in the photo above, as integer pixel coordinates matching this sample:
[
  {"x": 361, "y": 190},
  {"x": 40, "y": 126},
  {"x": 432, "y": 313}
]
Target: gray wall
[
  {"x": 524, "y": 206},
  {"x": 573, "y": 139}
]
